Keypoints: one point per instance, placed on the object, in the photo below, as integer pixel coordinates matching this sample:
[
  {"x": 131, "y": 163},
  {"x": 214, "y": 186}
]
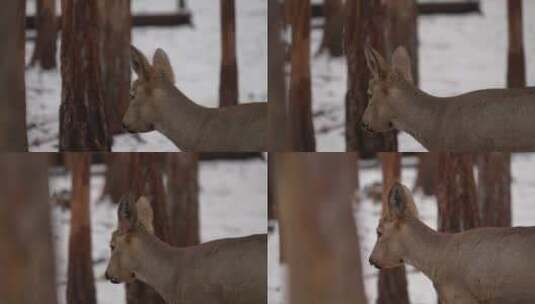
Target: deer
[
  {"x": 225, "y": 271},
  {"x": 477, "y": 266},
  {"x": 157, "y": 104},
  {"x": 484, "y": 120}
]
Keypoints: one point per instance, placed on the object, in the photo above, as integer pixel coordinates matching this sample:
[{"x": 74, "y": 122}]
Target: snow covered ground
[
  {"x": 195, "y": 56},
  {"x": 233, "y": 203},
  {"x": 457, "y": 54},
  {"x": 367, "y": 213}
]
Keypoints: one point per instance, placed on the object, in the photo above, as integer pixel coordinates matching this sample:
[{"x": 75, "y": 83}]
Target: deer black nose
[
  {"x": 373, "y": 263},
  {"x": 106, "y": 275}
]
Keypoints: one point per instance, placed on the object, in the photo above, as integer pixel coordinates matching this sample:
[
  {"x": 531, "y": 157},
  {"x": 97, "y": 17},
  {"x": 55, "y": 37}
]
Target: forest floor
[
  {"x": 232, "y": 203},
  {"x": 195, "y": 56},
  {"x": 458, "y": 54},
  {"x": 367, "y": 212}
]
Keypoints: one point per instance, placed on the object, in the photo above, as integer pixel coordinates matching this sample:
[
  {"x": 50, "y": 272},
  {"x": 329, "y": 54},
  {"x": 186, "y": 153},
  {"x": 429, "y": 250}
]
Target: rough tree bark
[
  {"x": 516, "y": 64},
  {"x": 80, "y": 281},
  {"x": 115, "y": 39},
  {"x": 401, "y": 29},
  {"x": 228, "y": 83},
  {"x": 146, "y": 179},
  {"x": 456, "y": 193},
  {"x": 363, "y": 25},
  {"x": 183, "y": 197},
  {"x": 278, "y": 103},
  {"x": 494, "y": 176},
  {"x": 45, "y": 48},
  {"x": 322, "y": 249},
  {"x": 117, "y": 167},
  {"x": 13, "y": 136},
  {"x": 426, "y": 178},
  {"x": 333, "y": 37},
  {"x": 27, "y": 257},
  {"x": 300, "y": 99},
  {"x": 392, "y": 283},
  {"x": 83, "y": 123}
]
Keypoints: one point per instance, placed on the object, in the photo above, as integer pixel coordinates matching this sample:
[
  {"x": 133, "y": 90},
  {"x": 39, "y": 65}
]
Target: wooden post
[
  {"x": 47, "y": 34},
  {"x": 228, "y": 82},
  {"x": 494, "y": 191},
  {"x": 516, "y": 64}
]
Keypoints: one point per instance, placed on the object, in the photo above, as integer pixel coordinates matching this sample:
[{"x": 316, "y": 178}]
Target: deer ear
[
  {"x": 126, "y": 213},
  {"x": 376, "y": 63},
  {"x": 402, "y": 63},
  {"x": 144, "y": 212},
  {"x": 140, "y": 64},
  {"x": 396, "y": 201},
  {"x": 162, "y": 66}
]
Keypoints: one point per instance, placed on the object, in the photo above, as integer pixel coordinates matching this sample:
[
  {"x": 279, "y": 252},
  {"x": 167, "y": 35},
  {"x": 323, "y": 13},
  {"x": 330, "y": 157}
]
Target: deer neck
[
  {"x": 423, "y": 247},
  {"x": 418, "y": 114},
  {"x": 181, "y": 120},
  {"x": 157, "y": 264}
]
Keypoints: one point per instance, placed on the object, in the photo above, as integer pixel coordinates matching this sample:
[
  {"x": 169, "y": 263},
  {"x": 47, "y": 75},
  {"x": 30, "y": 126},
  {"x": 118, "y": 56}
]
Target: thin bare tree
[
  {"x": 333, "y": 37},
  {"x": 494, "y": 188},
  {"x": 45, "y": 48},
  {"x": 516, "y": 63},
  {"x": 228, "y": 83},
  {"x": 300, "y": 96}
]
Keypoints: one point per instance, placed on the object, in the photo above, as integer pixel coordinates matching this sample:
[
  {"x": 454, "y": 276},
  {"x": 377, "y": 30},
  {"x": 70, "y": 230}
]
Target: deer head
[
  {"x": 385, "y": 88},
  {"x": 134, "y": 217},
  {"x": 148, "y": 89},
  {"x": 388, "y": 251}
]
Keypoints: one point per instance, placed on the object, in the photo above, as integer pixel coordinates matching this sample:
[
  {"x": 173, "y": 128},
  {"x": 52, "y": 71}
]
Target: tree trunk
[
  {"x": 494, "y": 176},
  {"x": 81, "y": 281},
  {"x": 333, "y": 38},
  {"x": 516, "y": 64},
  {"x": 12, "y": 87},
  {"x": 392, "y": 283},
  {"x": 402, "y": 30},
  {"x": 456, "y": 193},
  {"x": 426, "y": 178},
  {"x": 117, "y": 167},
  {"x": 146, "y": 179},
  {"x": 183, "y": 188},
  {"x": 278, "y": 103},
  {"x": 45, "y": 48},
  {"x": 300, "y": 99},
  {"x": 228, "y": 84},
  {"x": 322, "y": 249},
  {"x": 27, "y": 257},
  {"x": 115, "y": 40},
  {"x": 363, "y": 24},
  {"x": 83, "y": 123}
]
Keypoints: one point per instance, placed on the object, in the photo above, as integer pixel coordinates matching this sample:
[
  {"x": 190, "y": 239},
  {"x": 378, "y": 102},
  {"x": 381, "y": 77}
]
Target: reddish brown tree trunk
[
  {"x": 115, "y": 40},
  {"x": 494, "y": 176},
  {"x": 26, "y": 255},
  {"x": 278, "y": 103},
  {"x": 47, "y": 34},
  {"x": 83, "y": 123},
  {"x": 332, "y": 40},
  {"x": 516, "y": 65},
  {"x": 392, "y": 283},
  {"x": 426, "y": 178},
  {"x": 364, "y": 23},
  {"x": 117, "y": 168},
  {"x": 300, "y": 99},
  {"x": 402, "y": 30},
  {"x": 322, "y": 249},
  {"x": 12, "y": 87},
  {"x": 183, "y": 188},
  {"x": 80, "y": 282},
  {"x": 228, "y": 85},
  {"x": 146, "y": 179},
  {"x": 456, "y": 193}
]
